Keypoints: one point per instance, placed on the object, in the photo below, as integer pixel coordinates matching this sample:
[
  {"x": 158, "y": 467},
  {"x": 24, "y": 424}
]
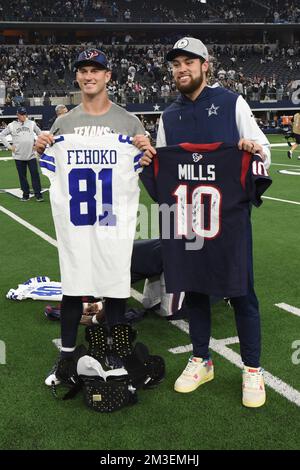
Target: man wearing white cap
[{"x": 204, "y": 114}]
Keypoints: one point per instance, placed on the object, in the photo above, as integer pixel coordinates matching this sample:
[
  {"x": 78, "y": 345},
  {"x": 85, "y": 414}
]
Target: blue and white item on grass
[{"x": 37, "y": 288}]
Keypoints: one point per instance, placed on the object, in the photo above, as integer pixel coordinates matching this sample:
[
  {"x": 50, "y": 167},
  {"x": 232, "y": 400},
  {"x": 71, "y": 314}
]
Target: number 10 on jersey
[
  {"x": 202, "y": 215},
  {"x": 83, "y": 186}
]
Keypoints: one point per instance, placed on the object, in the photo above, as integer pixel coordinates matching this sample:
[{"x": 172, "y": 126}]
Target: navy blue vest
[{"x": 210, "y": 118}]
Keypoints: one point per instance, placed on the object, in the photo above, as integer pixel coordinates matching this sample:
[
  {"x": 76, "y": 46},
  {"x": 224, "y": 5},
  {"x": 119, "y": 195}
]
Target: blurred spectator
[{"x": 60, "y": 110}]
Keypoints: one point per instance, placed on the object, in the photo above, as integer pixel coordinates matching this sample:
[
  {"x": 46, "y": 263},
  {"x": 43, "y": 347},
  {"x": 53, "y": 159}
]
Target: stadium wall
[{"x": 44, "y": 114}]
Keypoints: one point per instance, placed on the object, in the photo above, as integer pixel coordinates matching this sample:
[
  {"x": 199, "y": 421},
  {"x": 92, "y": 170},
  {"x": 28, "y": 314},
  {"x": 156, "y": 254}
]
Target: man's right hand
[
  {"x": 142, "y": 142},
  {"x": 42, "y": 141},
  {"x": 146, "y": 159}
]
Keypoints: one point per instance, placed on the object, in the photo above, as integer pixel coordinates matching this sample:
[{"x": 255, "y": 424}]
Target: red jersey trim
[
  {"x": 246, "y": 158},
  {"x": 200, "y": 147},
  {"x": 156, "y": 165}
]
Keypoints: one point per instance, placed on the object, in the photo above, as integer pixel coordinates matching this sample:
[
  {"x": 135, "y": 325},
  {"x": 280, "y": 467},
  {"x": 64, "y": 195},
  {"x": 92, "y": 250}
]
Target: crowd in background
[
  {"x": 273, "y": 11},
  {"x": 140, "y": 74}
]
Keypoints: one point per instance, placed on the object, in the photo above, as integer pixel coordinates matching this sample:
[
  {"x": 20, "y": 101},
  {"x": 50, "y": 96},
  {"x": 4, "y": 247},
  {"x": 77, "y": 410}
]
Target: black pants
[
  {"x": 146, "y": 261},
  {"x": 247, "y": 319},
  {"x": 71, "y": 311},
  {"x": 22, "y": 166}
]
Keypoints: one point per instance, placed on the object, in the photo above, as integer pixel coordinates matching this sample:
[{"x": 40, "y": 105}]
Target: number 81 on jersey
[{"x": 83, "y": 185}]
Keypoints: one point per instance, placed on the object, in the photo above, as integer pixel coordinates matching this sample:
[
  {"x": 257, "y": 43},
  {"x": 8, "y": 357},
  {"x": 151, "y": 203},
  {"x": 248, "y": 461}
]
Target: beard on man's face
[{"x": 189, "y": 88}]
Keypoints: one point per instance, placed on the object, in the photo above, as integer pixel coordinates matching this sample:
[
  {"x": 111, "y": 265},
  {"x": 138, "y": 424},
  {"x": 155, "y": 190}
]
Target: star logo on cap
[
  {"x": 212, "y": 110},
  {"x": 181, "y": 44}
]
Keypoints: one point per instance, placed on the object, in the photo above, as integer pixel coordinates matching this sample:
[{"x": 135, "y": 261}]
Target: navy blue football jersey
[{"x": 204, "y": 193}]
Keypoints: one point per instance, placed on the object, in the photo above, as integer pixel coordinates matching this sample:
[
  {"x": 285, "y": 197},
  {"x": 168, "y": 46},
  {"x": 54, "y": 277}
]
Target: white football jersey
[
  {"x": 94, "y": 196},
  {"x": 37, "y": 288}
]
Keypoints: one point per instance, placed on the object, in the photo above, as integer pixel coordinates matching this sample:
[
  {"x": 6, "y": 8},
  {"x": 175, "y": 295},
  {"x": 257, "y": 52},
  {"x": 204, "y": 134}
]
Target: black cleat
[
  {"x": 122, "y": 338},
  {"x": 96, "y": 336}
]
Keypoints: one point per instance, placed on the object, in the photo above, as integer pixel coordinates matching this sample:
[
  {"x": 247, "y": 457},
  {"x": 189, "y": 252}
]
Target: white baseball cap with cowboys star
[{"x": 189, "y": 46}]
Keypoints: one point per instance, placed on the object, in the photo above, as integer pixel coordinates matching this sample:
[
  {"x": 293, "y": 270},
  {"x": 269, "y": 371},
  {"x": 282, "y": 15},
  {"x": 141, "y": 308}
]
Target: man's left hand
[{"x": 251, "y": 147}]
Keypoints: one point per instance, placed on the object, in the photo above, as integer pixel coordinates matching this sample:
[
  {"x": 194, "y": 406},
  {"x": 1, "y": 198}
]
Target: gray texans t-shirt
[{"x": 117, "y": 120}]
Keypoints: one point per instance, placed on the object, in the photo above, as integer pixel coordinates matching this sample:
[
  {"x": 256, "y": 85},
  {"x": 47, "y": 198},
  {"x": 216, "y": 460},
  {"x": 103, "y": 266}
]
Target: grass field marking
[
  {"x": 285, "y": 164},
  {"x": 228, "y": 341},
  {"x": 6, "y": 159},
  {"x": 283, "y": 144},
  {"x": 289, "y": 308},
  {"x": 281, "y": 200},
  {"x": 189, "y": 347},
  {"x": 2, "y": 352},
  {"x": 219, "y": 346},
  {"x": 30, "y": 227},
  {"x": 136, "y": 295},
  {"x": 181, "y": 349}
]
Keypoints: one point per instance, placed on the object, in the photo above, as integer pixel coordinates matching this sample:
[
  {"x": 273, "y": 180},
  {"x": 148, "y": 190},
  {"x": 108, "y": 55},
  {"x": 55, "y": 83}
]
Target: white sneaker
[
  {"x": 254, "y": 394},
  {"x": 196, "y": 373},
  {"x": 50, "y": 379},
  {"x": 51, "y": 376}
]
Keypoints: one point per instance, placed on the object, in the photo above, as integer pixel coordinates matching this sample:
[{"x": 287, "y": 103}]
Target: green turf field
[{"x": 209, "y": 418}]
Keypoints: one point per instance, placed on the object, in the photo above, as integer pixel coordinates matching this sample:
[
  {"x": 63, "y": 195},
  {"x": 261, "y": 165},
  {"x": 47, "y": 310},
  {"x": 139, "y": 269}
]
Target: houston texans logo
[
  {"x": 197, "y": 157},
  {"x": 91, "y": 54}
]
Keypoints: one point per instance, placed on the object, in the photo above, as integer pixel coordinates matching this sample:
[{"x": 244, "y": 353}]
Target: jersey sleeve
[
  {"x": 47, "y": 163},
  {"x": 257, "y": 181},
  {"x": 148, "y": 179},
  {"x": 137, "y": 166},
  {"x": 249, "y": 129}
]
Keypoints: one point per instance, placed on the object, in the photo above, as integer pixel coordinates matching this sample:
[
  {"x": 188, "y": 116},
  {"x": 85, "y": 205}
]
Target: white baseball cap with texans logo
[{"x": 189, "y": 46}]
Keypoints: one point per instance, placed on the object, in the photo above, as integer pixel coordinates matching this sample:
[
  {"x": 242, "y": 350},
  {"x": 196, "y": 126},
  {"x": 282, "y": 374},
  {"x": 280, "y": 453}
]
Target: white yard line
[
  {"x": 136, "y": 295},
  {"x": 281, "y": 200},
  {"x": 219, "y": 346},
  {"x": 30, "y": 227},
  {"x": 289, "y": 308},
  {"x": 281, "y": 144},
  {"x": 283, "y": 164}
]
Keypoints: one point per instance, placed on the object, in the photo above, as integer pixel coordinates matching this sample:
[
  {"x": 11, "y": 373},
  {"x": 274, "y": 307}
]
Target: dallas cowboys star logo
[
  {"x": 212, "y": 110},
  {"x": 156, "y": 107}
]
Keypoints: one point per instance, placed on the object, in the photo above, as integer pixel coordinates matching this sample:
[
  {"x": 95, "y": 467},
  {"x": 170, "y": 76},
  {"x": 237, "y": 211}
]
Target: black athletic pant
[
  {"x": 247, "y": 319},
  {"x": 71, "y": 312},
  {"x": 146, "y": 262},
  {"x": 22, "y": 166}
]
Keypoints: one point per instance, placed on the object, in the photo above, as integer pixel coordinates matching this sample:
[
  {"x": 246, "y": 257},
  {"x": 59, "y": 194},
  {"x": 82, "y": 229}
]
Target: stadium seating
[{"x": 151, "y": 11}]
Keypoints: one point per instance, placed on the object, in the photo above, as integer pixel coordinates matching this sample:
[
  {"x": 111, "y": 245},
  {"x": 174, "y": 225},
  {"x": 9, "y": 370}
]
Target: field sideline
[{"x": 210, "y": 418}]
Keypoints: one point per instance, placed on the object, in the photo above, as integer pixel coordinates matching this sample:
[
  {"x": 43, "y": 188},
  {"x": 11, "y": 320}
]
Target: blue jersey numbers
[{"x": 83, "y": 186}]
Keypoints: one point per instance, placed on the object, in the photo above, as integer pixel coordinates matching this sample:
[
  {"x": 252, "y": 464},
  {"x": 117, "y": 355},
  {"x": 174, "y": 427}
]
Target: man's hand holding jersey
[
  {"x": 142, "y": 142},
  {"x": 44, "y": 139},
  {"x": 251, "y": 147}
]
